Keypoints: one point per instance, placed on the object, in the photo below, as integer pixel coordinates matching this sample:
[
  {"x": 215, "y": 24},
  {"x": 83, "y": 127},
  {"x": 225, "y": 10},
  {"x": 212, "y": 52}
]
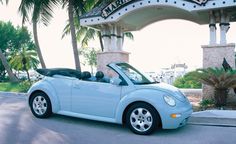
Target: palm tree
[
  {"x": 73, "y": 34},
  {"x": 220, "y": 80},
  {"x": 85, "y": 34},
  {"x": 74, "y": 7},
  {"x": 7, "y": 67},
  {"x": 24, "y": 60},
  {"x": 41, "y": 11},
  {"x": 6, "y": 30}
]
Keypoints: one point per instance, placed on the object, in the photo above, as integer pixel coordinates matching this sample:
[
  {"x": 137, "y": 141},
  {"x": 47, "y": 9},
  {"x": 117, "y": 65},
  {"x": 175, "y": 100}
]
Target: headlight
[{"x": 169, "y": 100}]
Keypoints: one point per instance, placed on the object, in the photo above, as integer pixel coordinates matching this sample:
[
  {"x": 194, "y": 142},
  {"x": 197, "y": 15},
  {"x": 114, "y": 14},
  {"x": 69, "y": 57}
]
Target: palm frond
[
  {"x": 66, "y": 30},
  {"x": 90, "y": 35},
  {"x": 40, "y": 10},
  {"x": 24, "y": 9},
  {"x": 129, "y": 35},
  {"x": 81, "y": 32},
  {"x": 217, "y": 77}
]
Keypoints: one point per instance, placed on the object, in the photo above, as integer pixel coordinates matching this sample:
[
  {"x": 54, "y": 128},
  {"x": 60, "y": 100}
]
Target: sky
[{"x": 156, "y": 46}]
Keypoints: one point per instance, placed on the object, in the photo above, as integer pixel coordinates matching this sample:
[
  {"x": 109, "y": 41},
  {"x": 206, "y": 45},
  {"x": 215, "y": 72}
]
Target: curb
[
  {"x": 226, "y": 118},
  {"x": 211, "y": 124},
  {"x": 207, "y": 121},
  {"x": 10, "y": 94}
]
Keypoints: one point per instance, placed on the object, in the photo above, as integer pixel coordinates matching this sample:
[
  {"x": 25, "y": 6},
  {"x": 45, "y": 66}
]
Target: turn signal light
[{"x": 175, "y": 115}]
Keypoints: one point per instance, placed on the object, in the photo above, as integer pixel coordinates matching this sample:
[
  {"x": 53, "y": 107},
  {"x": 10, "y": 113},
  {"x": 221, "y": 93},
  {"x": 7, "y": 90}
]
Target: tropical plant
[
  {"x": 220, "y": 80},
  {"x": 7, "y": 67},
  {"x": 24, "y": 56},
  {"x": 40, "y": 11},
  {"x": 90, "y": 57},
  {"x": 24, "y": 60},
  {"x": 205, "y": 103},
  {"x": 2, "y": 72},
  {"x": 74, "y": 7},
  {"x": 85, "y": 34},
  {"x": 12, "y": 42},
  {"x": 7, "y": 33},
  {"x": 189, "y": 80}
]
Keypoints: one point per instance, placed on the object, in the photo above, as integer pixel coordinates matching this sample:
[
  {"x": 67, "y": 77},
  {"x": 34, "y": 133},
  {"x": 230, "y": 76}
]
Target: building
[{"x": 169, "y": 75}]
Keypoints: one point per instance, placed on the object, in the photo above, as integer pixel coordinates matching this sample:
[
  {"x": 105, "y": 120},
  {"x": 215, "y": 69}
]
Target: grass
[{"x": 14, "y": 87}]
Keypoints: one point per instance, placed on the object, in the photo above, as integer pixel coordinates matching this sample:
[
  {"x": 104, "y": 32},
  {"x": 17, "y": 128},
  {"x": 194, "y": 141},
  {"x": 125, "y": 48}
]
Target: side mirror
[{"x": 115, "y": 81}]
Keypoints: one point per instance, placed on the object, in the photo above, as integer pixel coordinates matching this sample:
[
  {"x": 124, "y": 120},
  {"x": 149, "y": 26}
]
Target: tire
[
  {"x": 40, "y": 105},
  {"x": 142, "y": 119}
]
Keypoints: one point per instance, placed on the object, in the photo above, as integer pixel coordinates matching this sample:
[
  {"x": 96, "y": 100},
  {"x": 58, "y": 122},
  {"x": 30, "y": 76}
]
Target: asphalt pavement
[{"x": 19, "y": 126}]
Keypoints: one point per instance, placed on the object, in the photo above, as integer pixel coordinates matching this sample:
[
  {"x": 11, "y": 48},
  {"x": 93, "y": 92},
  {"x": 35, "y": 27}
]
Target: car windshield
[{"x": 134, "y": 75}]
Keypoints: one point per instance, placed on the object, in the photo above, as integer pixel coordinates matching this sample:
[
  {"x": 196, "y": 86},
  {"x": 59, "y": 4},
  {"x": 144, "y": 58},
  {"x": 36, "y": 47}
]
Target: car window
[{"x": 134, "y": 75}]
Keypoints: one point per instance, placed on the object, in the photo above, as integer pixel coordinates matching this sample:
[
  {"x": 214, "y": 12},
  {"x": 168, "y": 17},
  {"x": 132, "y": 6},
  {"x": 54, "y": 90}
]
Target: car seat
[
  {"x": 86, "y": 76},
  {"x": 99, "y": 76}
]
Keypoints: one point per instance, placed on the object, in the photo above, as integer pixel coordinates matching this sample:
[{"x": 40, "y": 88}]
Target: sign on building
[
  {"x": 199, "y": 1},
  {"x": 114, "y": 6}
]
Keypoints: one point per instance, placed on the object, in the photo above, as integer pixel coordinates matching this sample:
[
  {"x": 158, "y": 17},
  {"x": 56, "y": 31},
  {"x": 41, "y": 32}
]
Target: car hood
[{"x": 169, "y": 89}]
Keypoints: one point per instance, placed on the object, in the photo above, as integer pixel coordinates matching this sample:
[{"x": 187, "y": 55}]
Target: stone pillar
[
  {"x": 224, "y": 27},
  {"x": 106, "y": 38},
  {"x": 213, "y": 56},
  {"x": 112, "y": 36},
  {"x": 120, "y": 39},
  {"x": 105, "y": 58},
  {"x": 212, "y": 27},
  {"x": 116, "y": 38}
]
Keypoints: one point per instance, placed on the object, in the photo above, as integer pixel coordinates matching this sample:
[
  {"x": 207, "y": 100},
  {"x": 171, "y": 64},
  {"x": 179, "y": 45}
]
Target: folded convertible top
[{"x": 60, "y": 71}]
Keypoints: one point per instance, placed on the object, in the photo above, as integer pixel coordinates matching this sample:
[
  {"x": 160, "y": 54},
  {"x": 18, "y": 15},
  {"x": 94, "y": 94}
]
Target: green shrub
[
  {"x": 188, "y": 81},
  {"x": 205, "y": 103},
  {"x": 24, "y": 86},
  {"x": 15, "y": 87},
  {"x": 220, "y": 80}
]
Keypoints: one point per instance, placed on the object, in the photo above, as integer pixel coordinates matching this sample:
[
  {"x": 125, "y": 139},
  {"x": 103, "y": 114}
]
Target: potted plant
[{"x": 220, "y": 80}]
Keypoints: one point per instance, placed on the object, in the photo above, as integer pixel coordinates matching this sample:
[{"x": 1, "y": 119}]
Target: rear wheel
[
  {"x": 142, "y": 119},
  {"x": 40, "y": 105}
]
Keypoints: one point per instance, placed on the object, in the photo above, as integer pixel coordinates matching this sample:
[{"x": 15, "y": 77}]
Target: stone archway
[{"x": 119, "y": 16}]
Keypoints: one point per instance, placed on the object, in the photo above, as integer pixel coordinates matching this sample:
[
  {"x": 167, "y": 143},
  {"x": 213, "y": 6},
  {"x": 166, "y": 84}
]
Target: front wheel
[
  {"x": 142, "y": 119},
  {"x": 40, "y": 105}
]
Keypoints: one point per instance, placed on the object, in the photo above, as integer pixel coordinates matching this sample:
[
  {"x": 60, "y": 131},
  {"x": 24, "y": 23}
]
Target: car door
[
  {"x": 95, "y": 98},
  {"x": 62, "y": 85}
]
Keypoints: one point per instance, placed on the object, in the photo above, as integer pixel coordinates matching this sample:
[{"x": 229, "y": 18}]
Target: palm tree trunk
[
  {"x": 35, "y": 32},
  {"x": 24, "y": 61},
  {"x": 73, "y": 35},
  {"x": 28, "y": 76},
  {"x": 7, "y": 67},
  {"x": 100, "y": 39}
]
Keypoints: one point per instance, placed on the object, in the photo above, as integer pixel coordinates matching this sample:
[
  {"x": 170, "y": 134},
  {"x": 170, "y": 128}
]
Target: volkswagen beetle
[{"x": 126, "y": 96}]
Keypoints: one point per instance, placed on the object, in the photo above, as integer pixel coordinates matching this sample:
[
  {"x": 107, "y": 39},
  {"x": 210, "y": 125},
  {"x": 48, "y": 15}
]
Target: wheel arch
[
  {"x": 133, "y": 103},
  {"x": 149, "y": 96},
  {"x": 37, "y": 91},
  {"x": 49, "y": 91}
]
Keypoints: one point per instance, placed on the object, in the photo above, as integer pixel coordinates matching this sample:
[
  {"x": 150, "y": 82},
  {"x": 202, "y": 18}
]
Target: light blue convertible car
[{"x": 126, "y": 97}]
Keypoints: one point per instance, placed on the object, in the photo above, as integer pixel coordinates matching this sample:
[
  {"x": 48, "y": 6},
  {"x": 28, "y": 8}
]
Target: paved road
[{"x": 18, "y": 126}]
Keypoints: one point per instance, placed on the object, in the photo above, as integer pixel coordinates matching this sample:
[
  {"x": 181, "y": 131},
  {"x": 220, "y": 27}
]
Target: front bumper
[{"x": 169, "y": 122}]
